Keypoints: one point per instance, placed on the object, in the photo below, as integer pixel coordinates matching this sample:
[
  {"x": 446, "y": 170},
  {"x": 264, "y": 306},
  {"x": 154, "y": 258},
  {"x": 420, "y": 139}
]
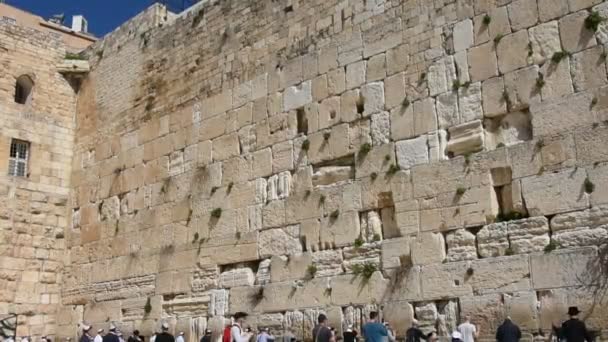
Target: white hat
[
  {"x": 99, "y": 331},
  {"x": 86, "y": 327},
  {"x": 165, "y": 326},
  {"x": 112, "y": 327},
  {"x": 181, "y": 333},
  {"x": 457, "y": 335}
]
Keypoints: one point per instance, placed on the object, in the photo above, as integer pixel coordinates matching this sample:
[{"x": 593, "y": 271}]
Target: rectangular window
[{"x": 17, "y": 165}]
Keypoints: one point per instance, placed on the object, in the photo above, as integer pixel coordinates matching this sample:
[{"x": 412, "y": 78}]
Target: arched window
[{"x": 23, "y": 89}]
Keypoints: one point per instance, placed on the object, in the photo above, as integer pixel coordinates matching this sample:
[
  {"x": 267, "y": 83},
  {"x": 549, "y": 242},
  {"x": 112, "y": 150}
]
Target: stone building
[{"x": 427, "y": 159}]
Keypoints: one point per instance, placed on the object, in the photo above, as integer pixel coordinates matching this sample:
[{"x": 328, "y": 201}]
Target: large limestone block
[
  {"x": 336, "y": 81},
  {"x": 425, "y": 118},
  {"x": 329, "y": 112},
  {"x": 551, "y": 117},
  {"x": 469, "y": 103},
  {"x": 558, "y": 81},
  {"x": 447, "y": 110},
  {"x": 545, "y": 41},
  {"x": 581, "y": 237},
  {"x": 381, "y": 128},
  {"x": 402, "y": 122},
  {"x": 487, "y": 312},
  {"x": 562, "y": 268},
  {"x": 482, "y": 62},
  {"x": 463, "y": 35},
  {"x": 262, "y": 163},
  {"x": 428, "y": 248},
  {"x": 237, "y": 277},
  {"x": 376, "y": 68},
  {"x": 396, "y": 253},
  {"x": 407, "y": 217},
  {"x": 589, "y": 218},
  {"x": 554, "y": 193},
  {"x": 494, "y": 275},
  {"x": 292, "y": 267},
  {"x": 588, "y": 69},
  {"x": 374, "y": 161},
  {"x": 394, "y": 90},
  {"x": 494, "y": 103},
  {"x": 412, "y": 152},
  {"x": 590, "y": 144},
  {"x": 466, "y": 138},
  {"x": 281, "y": 241},
  {"x": 350, "y": 289},
  {"x": 279, "y": 186},
  {"x": 493, "y": 240},
  {"x": 355, "y": 74},
  {"x": 368, "y": 253},
  {"x": 574, "y": 36},
  {"x": 340, "y": 231},
  {"x": 328, "y": 262},
  {"x": 522, "y": 307},
  {"x": 400, "y": 315},
  {"x": 461, "y": 245},
  {"x": 521, "y": 88},
  {"x": 441, "y": 75},
  {"x": 552, "y": 9},
  {"x": 373, "y": 98},
  {"x": 297, "y": 96},
  {"x": 512, "y": 51},
  {"x": 523, "y": 14},
  {"x": 529, "y": 235}
]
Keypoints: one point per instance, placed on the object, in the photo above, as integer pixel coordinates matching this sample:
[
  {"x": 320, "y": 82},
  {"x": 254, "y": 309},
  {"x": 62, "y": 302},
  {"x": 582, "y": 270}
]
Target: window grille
[{"x": 17, "y": 165}]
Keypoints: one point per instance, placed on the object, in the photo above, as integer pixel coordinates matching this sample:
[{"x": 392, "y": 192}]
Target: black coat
[
  {"x": 111, "y": 337},
  {"x": 508, "y": 332},
  {"x": 574, "y": 330},
  {"x": 163, "y": 337}
]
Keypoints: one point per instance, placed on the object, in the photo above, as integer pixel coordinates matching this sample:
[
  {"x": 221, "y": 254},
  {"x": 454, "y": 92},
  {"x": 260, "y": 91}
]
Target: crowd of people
[{"x": 572, "y": 330}]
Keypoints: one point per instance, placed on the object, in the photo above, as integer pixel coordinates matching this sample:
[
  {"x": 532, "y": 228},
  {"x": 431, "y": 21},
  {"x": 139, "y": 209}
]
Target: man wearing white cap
[
  {"x": 456, "y": 336},
  {"x": 86, "y": 337},
  {"x": 111, "y": 336},
  {"x": 350, "y": 335},
  {"x": 164, "y": 336},
  {"x": 99, "y": 336},
  {"x": 180, "y": 337}
]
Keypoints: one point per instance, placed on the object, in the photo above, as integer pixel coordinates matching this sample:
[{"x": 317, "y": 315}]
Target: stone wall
[
  {"x": 429, "y": 159},
  {"x": 34, "y": 209}
]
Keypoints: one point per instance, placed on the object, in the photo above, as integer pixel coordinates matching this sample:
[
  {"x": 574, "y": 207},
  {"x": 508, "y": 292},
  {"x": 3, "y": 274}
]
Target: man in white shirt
[
  {"x": 99, "y": 336},
  {"x": 180, "y": 337},
  {"x": 237, "y": 333},
  {"x": 468, "y": 330}
]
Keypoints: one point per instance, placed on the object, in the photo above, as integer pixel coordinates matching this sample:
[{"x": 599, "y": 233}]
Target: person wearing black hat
[
  {"x": 508, "y": 331},
  {"x": 164, "y": 336},
  {"x": 207, "y": 336},
  {"x": 574, "y": 330},
  {"x": 112, "y": 336}
]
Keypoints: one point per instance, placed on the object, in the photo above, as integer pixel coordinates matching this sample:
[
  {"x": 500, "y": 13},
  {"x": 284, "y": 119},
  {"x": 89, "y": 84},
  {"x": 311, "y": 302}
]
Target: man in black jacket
[
  {"x": 508, "y": 332},
  {"x": 111, "y": 336},
  {"x": 574, "y": 330},
  {"x": 164, "y": 336}
]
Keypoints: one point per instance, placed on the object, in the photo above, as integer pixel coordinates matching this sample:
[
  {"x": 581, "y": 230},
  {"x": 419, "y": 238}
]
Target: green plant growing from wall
[
  {"x": 553, "y": 245},
  {"x": 559, "y": 56},
  {"x": 148, "y": 306},
  {"x": 334, "y": 215},
  {"x": 305, "y": 145},
  {"x": 498, "y": 38},
  {"x": 75, "y": 56},
  {"x": 393, "y": 169},
  {"x": 365, "y": 270},
  {"x": 311, "y": 270},
  {"x": 326, "y": 136},
  {"x": 230, "y": 186},
  {"x": 377, "y": 237},
  {"x": 486, "y": 20},
  {"x": 589, "y": 186},
  {"x": 540, "y": 81},
  {"x": 364, "y": 150},
  {"x": 405, "y": 103},
  {"x": 530, "y": 49},
  {"x": 460, "y": 191},
  {"x": 322, "y": 199},
  {"x": 509, "y": 251},
  {"x": 373, "y": 176},
  {"x": 456, "y": 85},
  {"x": 216, "y": 213},
  {"x": 358, "y": 242},
  {"x": 593, "y": 21}
]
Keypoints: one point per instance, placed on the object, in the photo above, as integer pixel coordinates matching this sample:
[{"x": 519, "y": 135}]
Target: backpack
[{"x": 227, "y": 337}]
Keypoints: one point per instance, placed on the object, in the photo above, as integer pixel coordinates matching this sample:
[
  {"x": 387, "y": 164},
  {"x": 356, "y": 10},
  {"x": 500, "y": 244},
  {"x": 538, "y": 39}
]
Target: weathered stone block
[
  {"x": 588, "y": 69},
  {"x": 529, "y": 235},
  {"x": 463, "y": 35},
  {"x": 493, "y": 240},
  {"x": 297, "y": 96},
  {"x": 494, "y": 103},
  {"x": 552, "y": 9},
  {"x": 555, "y": 192},
  {"x": 441, "y": 76},
  {"x": 512, "y": 51},
  {"x": 556, "y": 116},
  {"x": 237, "y": 277},
  {"x": 482, "y": 62},
  {"x": 340, "y": 231},
  {"x": 545, "y": 41},
  {"x": 469, "y": 103},
  {"x": 425, "y": 118},
  {"x": 412, "y": 152},
  {"x": 561, "y": 268},
  {"x": 461, "y": 246},
  {"x": 574, "y": 36},
  {"x": 281, "y": 241},
  {"x": 522, "y": 14},
  {"x": 428, "y": 248},
  {"x": 355, "y": 74},
  {"x": 466, "y": 138},
  {"x": 521, "y": 87}
]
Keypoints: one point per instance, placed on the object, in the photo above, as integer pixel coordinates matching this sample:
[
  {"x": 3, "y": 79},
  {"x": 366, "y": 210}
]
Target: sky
[{"x": 103, "y": 15}]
